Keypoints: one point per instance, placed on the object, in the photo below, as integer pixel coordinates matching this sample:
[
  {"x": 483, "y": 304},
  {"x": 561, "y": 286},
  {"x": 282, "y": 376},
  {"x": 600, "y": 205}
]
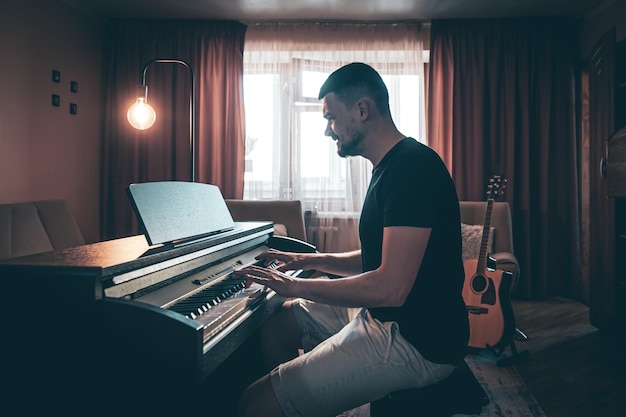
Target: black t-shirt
[{"x": 411, "y": 186}]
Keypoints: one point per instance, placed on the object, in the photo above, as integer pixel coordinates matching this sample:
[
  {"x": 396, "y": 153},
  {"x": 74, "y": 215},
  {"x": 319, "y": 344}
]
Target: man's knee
[
  {"x": 259, "y": 400},
  {"x": 281, "y": 330},
  {"x": 280, "y": 337}
]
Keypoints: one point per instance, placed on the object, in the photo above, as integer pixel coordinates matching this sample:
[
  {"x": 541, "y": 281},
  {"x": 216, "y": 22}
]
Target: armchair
[{"x": 287, "y": 215}]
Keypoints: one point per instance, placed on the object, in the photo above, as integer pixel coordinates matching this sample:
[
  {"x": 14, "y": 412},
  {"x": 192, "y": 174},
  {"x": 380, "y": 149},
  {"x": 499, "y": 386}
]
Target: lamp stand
[{"x": 192, "y": 107}]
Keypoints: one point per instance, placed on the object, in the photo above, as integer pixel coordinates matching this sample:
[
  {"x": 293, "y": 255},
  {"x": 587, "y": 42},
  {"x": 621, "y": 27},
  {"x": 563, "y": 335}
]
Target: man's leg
[
  {"x": 362, "y": 362},
  {"x": 259, "y": 400},
  {"x": 280, "y": 337}
]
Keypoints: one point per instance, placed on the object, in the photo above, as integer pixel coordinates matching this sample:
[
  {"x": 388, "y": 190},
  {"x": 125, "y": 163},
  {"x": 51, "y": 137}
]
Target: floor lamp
[{"x": 142, "y": 116}]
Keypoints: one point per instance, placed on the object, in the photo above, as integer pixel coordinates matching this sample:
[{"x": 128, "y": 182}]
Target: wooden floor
[{"x": 574, "y": 370}]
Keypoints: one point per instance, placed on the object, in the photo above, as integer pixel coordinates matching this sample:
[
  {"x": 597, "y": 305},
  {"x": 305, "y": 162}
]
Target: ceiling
[{"x": 335, "y": 10}]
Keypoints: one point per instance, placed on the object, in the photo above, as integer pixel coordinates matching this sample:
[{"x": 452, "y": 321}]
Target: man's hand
[
  {"x": 287, "y": 261},
  {"x": 280, "y": 282}
]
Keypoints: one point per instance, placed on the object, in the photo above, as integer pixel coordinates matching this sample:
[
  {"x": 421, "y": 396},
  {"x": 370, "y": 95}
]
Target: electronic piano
[{"x": 125, "y": 313}]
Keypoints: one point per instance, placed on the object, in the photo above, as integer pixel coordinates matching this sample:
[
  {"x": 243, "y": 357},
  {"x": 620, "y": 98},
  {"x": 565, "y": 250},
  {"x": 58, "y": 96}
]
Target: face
[{"x": 342, "y": 126}]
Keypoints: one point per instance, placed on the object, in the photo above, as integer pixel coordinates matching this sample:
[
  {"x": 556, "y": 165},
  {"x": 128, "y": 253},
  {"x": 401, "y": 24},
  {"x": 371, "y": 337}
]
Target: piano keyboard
[
  {"x": 205, "y": 300},
  {"x": 218, "y": 304}
]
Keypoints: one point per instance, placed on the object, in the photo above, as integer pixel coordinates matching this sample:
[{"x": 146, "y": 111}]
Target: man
[{"x": 396, "y": 318}]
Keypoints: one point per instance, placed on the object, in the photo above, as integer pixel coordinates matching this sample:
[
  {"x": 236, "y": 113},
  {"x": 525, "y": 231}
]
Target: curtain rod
[{"x": 364, "y": 22}]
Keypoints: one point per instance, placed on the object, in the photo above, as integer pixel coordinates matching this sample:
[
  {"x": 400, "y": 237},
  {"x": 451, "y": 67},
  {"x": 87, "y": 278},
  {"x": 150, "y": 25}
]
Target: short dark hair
[{"x": 354, "y": 81}]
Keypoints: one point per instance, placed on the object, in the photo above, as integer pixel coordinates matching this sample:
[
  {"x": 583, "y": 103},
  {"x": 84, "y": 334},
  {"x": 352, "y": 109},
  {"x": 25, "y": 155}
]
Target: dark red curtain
[
  {"x": 502, "y": 100},
  {"x": 214, "y": 51}
]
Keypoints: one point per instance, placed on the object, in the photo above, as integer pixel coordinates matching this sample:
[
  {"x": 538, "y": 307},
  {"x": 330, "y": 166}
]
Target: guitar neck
[{"x": 484, "y": 243}]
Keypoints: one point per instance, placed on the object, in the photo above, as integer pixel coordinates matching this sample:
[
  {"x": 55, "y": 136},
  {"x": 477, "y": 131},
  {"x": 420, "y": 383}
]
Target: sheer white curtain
[{"x": 287, "y": 154}]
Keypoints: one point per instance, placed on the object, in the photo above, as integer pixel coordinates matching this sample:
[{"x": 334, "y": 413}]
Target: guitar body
[{"x": 489, "y": 309}]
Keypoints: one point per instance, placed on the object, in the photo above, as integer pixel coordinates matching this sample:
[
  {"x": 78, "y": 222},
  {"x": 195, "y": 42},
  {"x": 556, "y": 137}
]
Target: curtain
[
  {"x": 214, "y": 50},
  {"x": 287, "y": 154},
  {"x": 502, "y": 100}
]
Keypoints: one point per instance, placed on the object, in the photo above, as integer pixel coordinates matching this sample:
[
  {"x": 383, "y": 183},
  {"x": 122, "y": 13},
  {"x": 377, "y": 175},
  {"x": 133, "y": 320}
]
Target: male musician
[{"x": 396, "y": 318}]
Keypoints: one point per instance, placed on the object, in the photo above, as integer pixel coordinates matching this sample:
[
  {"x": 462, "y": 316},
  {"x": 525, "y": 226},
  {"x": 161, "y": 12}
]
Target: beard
[{"x": 352, "y": 146}]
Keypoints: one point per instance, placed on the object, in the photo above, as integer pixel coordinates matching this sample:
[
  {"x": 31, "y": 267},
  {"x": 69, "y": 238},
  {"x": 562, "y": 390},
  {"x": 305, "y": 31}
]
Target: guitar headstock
[{"x": 496, "y": 186}]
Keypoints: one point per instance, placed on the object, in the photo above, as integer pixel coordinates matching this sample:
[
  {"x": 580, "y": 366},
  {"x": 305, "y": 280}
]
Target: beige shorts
[{"x": 350, "y": 359}]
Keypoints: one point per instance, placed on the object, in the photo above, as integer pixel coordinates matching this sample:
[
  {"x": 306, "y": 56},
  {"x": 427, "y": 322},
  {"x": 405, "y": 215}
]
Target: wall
[{"x": 45, "y": 152}]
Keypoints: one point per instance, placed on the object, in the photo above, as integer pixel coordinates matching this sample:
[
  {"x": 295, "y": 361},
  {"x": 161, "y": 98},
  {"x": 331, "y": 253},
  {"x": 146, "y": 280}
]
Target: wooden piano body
[{"x": 93, "y": 325}]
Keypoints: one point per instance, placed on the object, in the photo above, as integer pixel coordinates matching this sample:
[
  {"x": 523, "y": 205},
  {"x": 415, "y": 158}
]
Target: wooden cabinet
[
  {"x": 601, "y": 233},
  {"x": 620, "y": 261},
  {"x": 607, "y": 195},
  {"x": 617, "y": 180}
]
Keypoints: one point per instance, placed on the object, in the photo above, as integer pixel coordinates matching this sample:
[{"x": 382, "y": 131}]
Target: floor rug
[{"x": 507, "y": 392}]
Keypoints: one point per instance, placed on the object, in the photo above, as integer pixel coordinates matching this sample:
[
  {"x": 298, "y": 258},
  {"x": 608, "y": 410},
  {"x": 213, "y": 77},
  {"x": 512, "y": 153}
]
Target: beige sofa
[
  {"x": 33, "y": 227},
  {"x": 37, "y": 226},
  {"x": 287, "y": 215},
  {"x": 288, "y": 218},
  {"x": 41, "y": 226}
]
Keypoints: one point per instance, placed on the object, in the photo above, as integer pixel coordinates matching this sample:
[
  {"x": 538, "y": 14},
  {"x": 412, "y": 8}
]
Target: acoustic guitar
[{"x": 486, "y": 290}]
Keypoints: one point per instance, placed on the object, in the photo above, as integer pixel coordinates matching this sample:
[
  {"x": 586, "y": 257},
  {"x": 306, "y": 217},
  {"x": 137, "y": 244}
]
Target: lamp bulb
[{"x": 141, "y": 115}]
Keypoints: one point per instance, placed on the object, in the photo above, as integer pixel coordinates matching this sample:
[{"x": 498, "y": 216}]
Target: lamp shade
[{"x": 141, "y": 115}]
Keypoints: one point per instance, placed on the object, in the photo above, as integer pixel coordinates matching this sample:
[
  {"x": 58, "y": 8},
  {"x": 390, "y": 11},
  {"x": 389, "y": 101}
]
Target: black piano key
[{"x": 210, "y": 296}]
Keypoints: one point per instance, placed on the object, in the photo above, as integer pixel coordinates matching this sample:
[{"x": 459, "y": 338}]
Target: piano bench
[{"x": 460, "y": 393}]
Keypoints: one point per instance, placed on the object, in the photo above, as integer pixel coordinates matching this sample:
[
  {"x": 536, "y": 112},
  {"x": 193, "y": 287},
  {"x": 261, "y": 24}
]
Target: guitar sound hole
[{"x": 479, "y": 284}]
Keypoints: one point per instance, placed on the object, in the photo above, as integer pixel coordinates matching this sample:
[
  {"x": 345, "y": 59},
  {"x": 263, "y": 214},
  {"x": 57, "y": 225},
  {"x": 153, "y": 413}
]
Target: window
[{"x": 287, "y": 154}]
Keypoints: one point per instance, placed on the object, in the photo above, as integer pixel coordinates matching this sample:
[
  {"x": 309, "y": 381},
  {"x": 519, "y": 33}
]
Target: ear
[{"x": 364, "y": 109}]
